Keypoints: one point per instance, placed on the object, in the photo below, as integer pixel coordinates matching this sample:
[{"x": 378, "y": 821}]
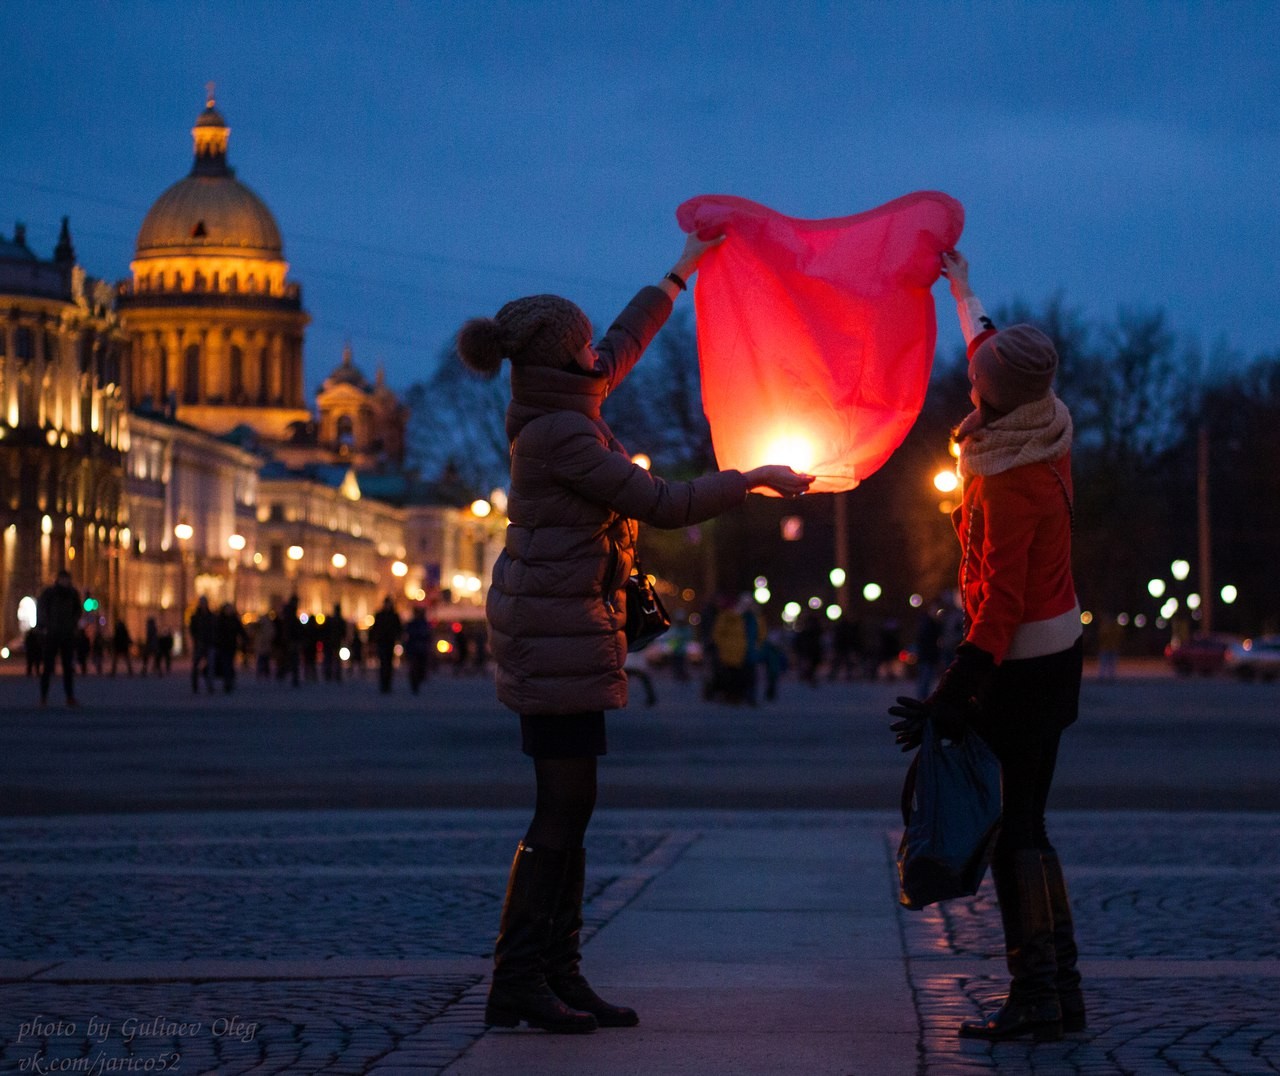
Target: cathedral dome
[{"x": 210, "y": 211}]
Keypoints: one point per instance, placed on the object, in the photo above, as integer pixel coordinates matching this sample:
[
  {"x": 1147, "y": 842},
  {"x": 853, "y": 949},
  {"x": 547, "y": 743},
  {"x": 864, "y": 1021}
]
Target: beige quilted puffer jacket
[{"x": 555, "y": 605}]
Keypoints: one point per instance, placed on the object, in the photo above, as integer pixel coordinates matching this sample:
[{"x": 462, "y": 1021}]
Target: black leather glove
[
  {"x": 911, "y": 714},
  {"x": 960, "y": 694}
]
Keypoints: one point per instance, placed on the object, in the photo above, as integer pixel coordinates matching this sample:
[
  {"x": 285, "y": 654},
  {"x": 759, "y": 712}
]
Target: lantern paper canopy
[{"x": 816, "y": 337}]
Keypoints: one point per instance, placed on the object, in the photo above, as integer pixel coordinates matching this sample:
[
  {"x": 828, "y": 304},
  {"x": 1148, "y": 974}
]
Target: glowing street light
[
  {"x": 183, "y": 531},
  {"x": 837, "y": 577},
  {"x": 1229, "y": 594},
  {"x": 480, "y": 508},
  {"x": 1156, "y": 588},
  {"x": 236, "y": 542},
  {"x": 872, "y": 591},
  {"x": 946, "y": 481},
  {"x": 294, "y": 552},
  {"x": 399, "y": 569},
  {"x": 338, "y": 560},
  {"x": 1180, "y": 569}
]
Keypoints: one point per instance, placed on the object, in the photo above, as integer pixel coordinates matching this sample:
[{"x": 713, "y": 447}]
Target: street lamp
[
  {"x": 293, "y": 557},
  {"x": 183, "y": 531},
  {"x": 237, "y": 543}
]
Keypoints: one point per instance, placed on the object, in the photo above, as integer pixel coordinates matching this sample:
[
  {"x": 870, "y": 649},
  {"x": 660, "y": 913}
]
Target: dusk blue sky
[{"x": 428, "y": 161}]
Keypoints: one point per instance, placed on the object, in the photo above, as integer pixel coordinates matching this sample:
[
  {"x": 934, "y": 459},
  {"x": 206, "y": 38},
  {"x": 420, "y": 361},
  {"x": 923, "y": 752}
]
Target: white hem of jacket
[{"x": 1039, "y": 638}]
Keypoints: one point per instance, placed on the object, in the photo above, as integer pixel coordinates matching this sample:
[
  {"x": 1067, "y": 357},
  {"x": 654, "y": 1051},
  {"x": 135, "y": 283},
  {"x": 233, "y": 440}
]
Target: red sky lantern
[{"x": 816, "y": 337}]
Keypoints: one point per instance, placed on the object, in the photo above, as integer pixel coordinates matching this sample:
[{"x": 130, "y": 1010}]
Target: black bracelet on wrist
[{"x": 677, "y": 280}]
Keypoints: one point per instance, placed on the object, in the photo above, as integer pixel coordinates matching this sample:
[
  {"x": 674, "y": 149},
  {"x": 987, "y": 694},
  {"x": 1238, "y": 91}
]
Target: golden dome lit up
[{"x": 209, "y": 211}]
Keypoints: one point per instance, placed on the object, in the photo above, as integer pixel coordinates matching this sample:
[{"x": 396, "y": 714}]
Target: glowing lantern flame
[{"x": 793, "y": 450}]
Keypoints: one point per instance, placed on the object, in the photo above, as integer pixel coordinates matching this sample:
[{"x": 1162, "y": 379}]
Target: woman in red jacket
[
  {"x": 1016, "y": 677},
  {"x": 556, "y": 610}
]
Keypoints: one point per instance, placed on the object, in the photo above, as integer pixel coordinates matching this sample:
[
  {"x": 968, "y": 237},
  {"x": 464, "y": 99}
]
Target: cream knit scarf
[{"x": 1033, "y": 433}]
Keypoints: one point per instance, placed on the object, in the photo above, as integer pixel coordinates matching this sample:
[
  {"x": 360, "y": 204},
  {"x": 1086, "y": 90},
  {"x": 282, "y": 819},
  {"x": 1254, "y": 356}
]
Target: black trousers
[{"x": 1032, "y": 701}]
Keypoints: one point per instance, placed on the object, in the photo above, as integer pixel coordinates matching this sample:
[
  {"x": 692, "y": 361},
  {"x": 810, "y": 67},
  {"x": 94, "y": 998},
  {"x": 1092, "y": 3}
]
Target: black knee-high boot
[
  {"x": 1070, "y": 996},
  {"x": 1032, "y": 1006},
  {"x": 519, "y": 990},
  {"x": 564, "y": 956}
]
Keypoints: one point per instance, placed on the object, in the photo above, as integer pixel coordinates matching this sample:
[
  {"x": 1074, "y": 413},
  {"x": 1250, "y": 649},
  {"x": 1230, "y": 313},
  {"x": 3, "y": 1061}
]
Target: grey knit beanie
[
  {"x": 538, "y": 330},
  {"x": 1014, "y": 366}
]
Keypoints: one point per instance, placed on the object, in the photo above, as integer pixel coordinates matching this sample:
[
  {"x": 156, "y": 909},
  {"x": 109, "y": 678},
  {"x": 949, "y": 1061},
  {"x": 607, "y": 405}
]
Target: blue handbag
[{"x": 951, "y": 807}]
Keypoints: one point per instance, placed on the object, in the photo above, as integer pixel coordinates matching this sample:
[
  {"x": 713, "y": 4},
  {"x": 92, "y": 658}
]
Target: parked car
[
  {"x": 1255, "y": 659},
  {"x": 1202, "y": 655}
]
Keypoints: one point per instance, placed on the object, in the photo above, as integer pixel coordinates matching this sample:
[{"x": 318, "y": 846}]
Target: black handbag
[
  {"x": 951, "y": 806},
  {"x": 647, "y": 618}
]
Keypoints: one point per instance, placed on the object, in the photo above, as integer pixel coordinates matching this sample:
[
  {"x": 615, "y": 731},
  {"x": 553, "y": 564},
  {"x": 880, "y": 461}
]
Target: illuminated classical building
[
  {"x": 272, "y": 501},
  {"x": 216, "y": 326},
  {"x": 63, "y": 428}
]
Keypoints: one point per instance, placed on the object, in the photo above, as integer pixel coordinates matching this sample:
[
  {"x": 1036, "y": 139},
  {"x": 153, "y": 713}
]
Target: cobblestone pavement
[
  {"x": 306, "y": 943},
  {"x": 353, "y": 942},
  {"x": 1178, "y": 920}
]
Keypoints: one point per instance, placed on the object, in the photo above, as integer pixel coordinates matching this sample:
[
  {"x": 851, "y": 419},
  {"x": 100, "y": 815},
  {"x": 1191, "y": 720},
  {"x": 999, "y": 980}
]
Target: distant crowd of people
[
  {"x": 744, "y": 661},
  {"x": 285, "y": 644}
]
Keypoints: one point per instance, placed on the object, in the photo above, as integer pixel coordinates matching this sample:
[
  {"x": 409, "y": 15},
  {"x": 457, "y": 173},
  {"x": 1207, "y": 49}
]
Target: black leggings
[
  {"x": 1032, "y": 700},
  {"x": 564, "y": 748}
]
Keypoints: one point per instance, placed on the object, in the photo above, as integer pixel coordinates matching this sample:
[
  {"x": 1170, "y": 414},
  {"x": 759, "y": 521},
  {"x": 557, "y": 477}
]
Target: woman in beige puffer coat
[{"x": 556, "y": 610}]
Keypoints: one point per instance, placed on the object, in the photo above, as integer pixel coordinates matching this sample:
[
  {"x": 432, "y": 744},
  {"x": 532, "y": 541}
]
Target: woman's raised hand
[
  {"x": 955, "y": 267},
  {"x": 694, "y": 249},
  {"x": 782, "y": 480}
]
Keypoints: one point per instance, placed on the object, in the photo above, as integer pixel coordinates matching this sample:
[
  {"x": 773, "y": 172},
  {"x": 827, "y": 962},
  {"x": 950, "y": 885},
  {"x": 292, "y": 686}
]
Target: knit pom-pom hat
[
  {"x": 539, "y": 330},
  {"x": 1012, "y": 367}
]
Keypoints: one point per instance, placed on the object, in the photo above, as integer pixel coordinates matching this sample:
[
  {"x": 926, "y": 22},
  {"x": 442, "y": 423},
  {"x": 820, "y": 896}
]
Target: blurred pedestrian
[
  {"x": 58, "y": 611},
  {"x": 846, "y": 647},
  {"x": 556, "y": 610},
  {"x": 84, "y": 647},
  {"x": 121, "y": 647},
  {"x": 332, "y": 643},
  {"x": 357, "y": 651},
  {"x": 384, "y": 637},
  {"x": 807, "y": 645},
  {"x": 1110, "y": 640},
  {"x": 98, "y": 648},
  {"x": 289, "y": 642},
  {"x": 201, "y": 630},
  {"x": 229, "y": 639},
  {"x": 773, "y": 660},
  {"x": 928, "y": 649},
  {"x": 638, "y": 671},
  {"x": 311, "y": 635},
  {"x": 1015, "y": 679},
  {"x": 151, "y": 646},
  {"x": 732, "y": 636},
  {"x": 264, "y": 643},
  {"x": 461, "y": 648},
  {"x": 889, "y": 661},
  {"x": 677, "y": 642},
  {"x": 164, "y": 652},
  {"x": 417, "y": 647}
]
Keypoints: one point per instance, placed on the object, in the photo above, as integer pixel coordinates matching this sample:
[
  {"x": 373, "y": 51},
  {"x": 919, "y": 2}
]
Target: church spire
[
  {"x": 210, "y": 134},
  {"x": 64, "y": 253}
]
